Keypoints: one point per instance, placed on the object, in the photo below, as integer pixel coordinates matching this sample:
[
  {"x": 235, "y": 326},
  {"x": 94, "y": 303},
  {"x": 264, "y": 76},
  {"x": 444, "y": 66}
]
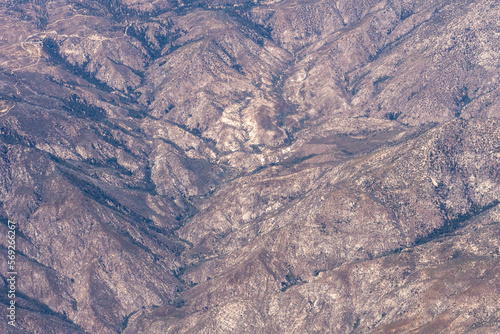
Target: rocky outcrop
[{"x": 270, "y": 167}]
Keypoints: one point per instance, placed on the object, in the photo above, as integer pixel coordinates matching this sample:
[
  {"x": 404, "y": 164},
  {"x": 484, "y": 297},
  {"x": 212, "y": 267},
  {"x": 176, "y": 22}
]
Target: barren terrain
[{"x": 224, "y": 166}]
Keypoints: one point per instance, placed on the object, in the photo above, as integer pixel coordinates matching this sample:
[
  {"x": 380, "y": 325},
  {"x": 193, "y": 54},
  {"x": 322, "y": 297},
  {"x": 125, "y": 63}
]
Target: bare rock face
[{"x": 251, "y": 167}]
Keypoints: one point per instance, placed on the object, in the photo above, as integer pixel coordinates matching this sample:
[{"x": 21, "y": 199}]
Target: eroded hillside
[{"x": 251, "y": 167}]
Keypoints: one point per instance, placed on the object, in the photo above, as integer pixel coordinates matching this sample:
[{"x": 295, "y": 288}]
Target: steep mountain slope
[{"x": 252, "y": 167}]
